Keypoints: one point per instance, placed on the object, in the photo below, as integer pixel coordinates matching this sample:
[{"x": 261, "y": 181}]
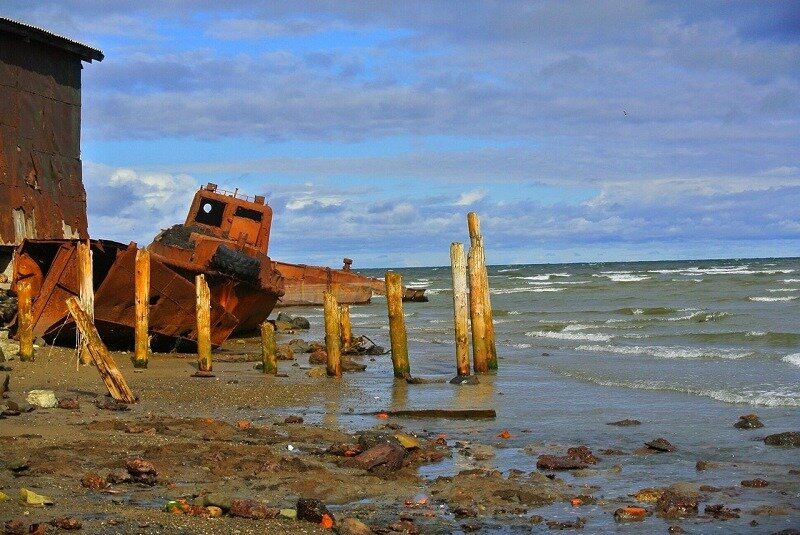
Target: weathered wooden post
[
  {"x": 345, "y": 327},
  {"x": 482, "y": 278},
  {"x": 269, "y": 350},
  {"x": 397, "y": 325},
  {"x": 142, "y": 309},
  {"x": 25, "y": 320},
  {"x": 332, "y": 335},
  {"x": 460, "y": 307},
  {"x": 86, "y": 292},
  {"x": 203, "y": 324},
  {"x": 113, "y": 379},
  {"x": 476, "y": 313}
]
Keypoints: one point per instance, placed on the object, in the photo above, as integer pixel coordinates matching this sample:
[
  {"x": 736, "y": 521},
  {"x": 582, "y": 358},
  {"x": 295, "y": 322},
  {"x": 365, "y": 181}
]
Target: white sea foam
[
  {"x": 623, "y": 276},
  {"x": 790, "y": 280},
  {"x": 503, "y": 291},
  {"x": 771, "y": 398},
  {"x": 776, "y": 290},
  {"x": 577, "y": 327},
  {"x": 721, "y": 270},
  {"x": 361, "y": 315},
  {"x": 514, "y": 313},
  {"x": 666, "y": 352},
  {"x": 773, "y": 299},
  {"x": 561, "y": 335},
  {"x": 794, "y": 359}
]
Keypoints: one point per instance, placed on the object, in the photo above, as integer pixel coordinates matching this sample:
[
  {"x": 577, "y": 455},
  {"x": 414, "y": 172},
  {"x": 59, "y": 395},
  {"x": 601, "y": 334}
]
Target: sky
[{"x": 578, "y": 131}]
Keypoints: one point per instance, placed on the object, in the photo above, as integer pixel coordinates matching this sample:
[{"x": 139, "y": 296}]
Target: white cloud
[{"x": 470, "y": 197}]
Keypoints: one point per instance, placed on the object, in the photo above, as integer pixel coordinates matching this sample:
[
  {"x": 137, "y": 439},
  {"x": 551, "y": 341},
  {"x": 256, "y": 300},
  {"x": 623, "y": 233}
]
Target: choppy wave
[
  {"x": 777, "y": 290},
  {"x": 790, "y": 280},
  {"x": 545, "y": 277},
  {"x": 561, "y": 335},
  {"x": 775, "y": 338},
  {"x": 622, "y": 276},
  {"x": 669, "y": 352},
  {"x": 721, "y": 270},
  {"x": 651, "y": 311},
  {"x": 529, "y": 289},
  {"x": 771, "y": 398},
  {"x": 701, "y": 316},
  {"x": 794, "y": 358},
  {"x": 773, "y": 299}
]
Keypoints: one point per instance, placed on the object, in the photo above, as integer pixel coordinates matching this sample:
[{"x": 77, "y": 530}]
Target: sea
[{"x": 685, "y": 347}]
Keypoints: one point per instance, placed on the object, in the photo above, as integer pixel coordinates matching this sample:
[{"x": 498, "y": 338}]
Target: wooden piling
[
  {"x": 203, "y": 324},
  {"x": 397, "y": 325},
  {"x": 346, "y": 330},
  {"x": 476, "y": 313},
  {"x": 25, "y": 320},
  {"x": 112, "y": 377},
  {"x": 476, "y": 241},
  {"x": 86, "y": 292},
  {"x": 460, "y": 313},
  {"x": 332, "y": 335},
  {"x": 269, "y": 349},
  {"x": 141, "y": 351}
]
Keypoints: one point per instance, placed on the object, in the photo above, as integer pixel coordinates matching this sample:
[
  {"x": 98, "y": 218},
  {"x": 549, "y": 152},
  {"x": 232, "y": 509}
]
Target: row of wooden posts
[{"x": 471, "y": 305}]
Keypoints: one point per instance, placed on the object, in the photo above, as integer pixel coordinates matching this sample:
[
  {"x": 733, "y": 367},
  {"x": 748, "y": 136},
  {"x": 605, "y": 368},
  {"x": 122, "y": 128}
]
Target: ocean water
[{"x": 686, "y": 347}]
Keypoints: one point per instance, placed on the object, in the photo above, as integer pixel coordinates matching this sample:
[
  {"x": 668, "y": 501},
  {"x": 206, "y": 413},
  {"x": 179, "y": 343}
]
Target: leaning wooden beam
[
  {"x": 460, "y": 314},
  {"x": 203, "y": 324},
  {"x": 333, "y": 342},
  {"x": 25, "y": 320},
  {"x": 142, "y": 309},
  {"x": 113, "y": 379},
  {"x": 86, "y": 292},
  {"x": 397, "y": 325}
]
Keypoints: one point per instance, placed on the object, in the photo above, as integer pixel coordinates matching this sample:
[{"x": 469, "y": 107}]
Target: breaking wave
[
  {"x": 794, "y": 359},
  {"x": 561, "y": 335},
  {"x": 773, "y": 299},
  {"x": 652, "y": 311},
  {"x": 667, "y": 352}
]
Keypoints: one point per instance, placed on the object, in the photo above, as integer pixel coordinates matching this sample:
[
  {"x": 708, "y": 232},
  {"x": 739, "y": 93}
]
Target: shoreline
[{"x": 227, "y": 435}]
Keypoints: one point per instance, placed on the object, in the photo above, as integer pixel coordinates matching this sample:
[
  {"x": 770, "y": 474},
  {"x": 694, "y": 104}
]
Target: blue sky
[{"x": 580, "y": 131}]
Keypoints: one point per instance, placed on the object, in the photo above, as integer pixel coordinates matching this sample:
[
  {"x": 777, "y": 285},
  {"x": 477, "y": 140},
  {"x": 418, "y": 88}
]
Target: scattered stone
[
  {"x": 769, "y": 510},
  {"x": 45, "y": 399},
  {"x": 319, "y": 356},
  {"x": 67, "y": 523},
  {"x": 625, "y": 423},
  {"x": 285, "y": 353},
  {"x": 142, "y": 471},
  {"x": 69, "y": 404},
  {"x": 218, "y": 499},
  {"x": 118, "y": 476},
  {"x": 630, "y": 514},
  {"x": 110, "y": 404},
  {"x": 38, "y": 528},
  {"x": 214, "y": 511},
  {"x": 409, "y": 442},
  {"x": 317, "y": 372},
  {"x": 709, "y": 488},
  {"x": 660, "y": 444},
  {"x": 556, "y": 524},
  {"x": 352, "y": 526},
  {"x": 350, "y": 366},
  {"x": 536, "y": 519},
  {"x": 18, "y": 465},
  {"x": 344, "y": 450},
  {"x": 583, "y": 454},
  {"x": 465, "y": 511},
  {"x": 386, "y": 457},
  {"x": 720, "y": 512},
  {"x": 289, "y": 513},
  {"x": 293, "y": 420},
  {"x": 789, "y": 438},
  {"x": 675, "y": 529},
  {"x": 300, "y": 322},
  {"x": 612, "y": 451},
  {"x": 673, "y": 505},
  {"x": 465, "y": 380},
  {"x": 253, "y": 509},
  {"x": 312, "y": 510},
  {"x": 755, "y": 483},
  {"x": 299, "y": 345},
  {"x": 554, "y": 462},
  {"x": 93, "y": 480},
  {"x": 404, "y": 526},
  {"x": 14, "y": 527},
  {"x": 375, "y": 350},
  {"x": 203, "y": 374},
  {"x": 705, "y": 465},
  {"x": 748, "y": 421}
]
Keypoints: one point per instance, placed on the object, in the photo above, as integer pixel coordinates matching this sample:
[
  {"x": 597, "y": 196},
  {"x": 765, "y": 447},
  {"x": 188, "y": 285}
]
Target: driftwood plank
[{"x": 463, "y": 414}]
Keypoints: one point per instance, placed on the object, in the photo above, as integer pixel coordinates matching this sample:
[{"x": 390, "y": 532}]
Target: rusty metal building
[{"x": 41, "y": 187}]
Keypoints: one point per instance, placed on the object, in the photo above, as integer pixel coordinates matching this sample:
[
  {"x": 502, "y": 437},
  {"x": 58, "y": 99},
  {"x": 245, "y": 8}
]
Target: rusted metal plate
[
  {"x": 41, "y": 190},
  {"x": 51, "y": 267}
]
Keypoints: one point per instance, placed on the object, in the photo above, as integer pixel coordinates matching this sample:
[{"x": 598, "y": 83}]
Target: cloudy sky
[{"x": 579, "y": 131}]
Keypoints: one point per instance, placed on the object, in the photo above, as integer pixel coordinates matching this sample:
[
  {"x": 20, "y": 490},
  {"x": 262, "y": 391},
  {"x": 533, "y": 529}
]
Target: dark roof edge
[{"x": 86, "y": 53}]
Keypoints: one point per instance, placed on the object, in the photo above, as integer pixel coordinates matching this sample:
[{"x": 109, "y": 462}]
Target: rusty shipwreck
[{"x": 230, "y": 232}]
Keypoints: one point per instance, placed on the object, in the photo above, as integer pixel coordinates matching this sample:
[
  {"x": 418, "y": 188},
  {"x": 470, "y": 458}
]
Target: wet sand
[{"x": 226, "y": 435}]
